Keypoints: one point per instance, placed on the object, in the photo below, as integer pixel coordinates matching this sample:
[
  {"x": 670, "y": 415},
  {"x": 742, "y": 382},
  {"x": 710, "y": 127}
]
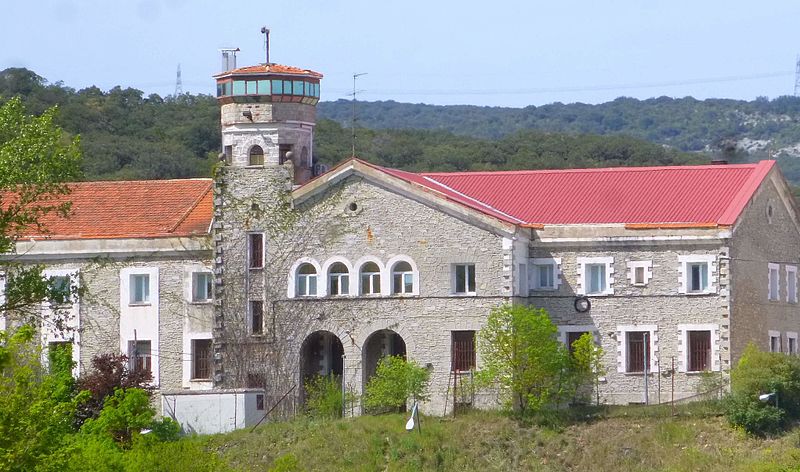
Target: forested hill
[
  {"x": 684, "y": 123},
  {"x": 127, "y": 135}
]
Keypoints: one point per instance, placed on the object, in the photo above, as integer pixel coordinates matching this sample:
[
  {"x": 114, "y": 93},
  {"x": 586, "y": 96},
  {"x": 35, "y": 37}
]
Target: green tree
[
  {"x": 523, "y": 358},
  {"x": 396, "y": 381},
  {"x": 587, "y": 366}
]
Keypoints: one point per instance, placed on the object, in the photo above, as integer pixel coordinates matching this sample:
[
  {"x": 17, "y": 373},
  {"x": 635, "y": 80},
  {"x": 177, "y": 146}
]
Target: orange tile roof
[
  {"x": 133, "y": 209},
  {"x": 270, "y": 69}
]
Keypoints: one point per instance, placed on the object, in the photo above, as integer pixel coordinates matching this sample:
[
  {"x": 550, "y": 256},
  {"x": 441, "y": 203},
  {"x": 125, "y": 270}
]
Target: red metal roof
[
  {"x": 270, "y": 69},
  {"x": 133, "y": 209},
  {"x": 707, "y": 194}
]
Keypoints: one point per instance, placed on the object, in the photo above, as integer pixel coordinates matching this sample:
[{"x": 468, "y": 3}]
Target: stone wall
[{"x": 760, "y": 239}]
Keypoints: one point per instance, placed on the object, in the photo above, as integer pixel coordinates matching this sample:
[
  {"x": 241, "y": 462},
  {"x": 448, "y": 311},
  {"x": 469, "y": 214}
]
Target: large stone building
[{"x": 320, "y": 274}]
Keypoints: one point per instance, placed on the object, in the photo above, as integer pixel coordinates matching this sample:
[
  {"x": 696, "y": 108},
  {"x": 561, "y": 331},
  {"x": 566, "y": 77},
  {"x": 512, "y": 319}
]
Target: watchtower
[{"x": 268, "y": 116}]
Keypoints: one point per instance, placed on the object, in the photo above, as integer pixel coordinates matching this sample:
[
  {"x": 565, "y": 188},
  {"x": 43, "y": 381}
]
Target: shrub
[
  {"x": 396, "y": 380},
  {"x": 124, "y": 415},
  {"x": 109, "y": 373},
  {"x": 324, "y": 397},
  {"x": 522, "y": 356},
  {"x": 758, "y": 373}
]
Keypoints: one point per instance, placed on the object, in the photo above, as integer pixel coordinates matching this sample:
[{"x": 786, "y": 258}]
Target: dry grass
[{"x": 486, "y": 441}]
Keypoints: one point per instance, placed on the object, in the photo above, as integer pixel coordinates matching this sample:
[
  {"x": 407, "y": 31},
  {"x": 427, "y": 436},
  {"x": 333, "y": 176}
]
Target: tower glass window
[{"x": 256, "y": 157}]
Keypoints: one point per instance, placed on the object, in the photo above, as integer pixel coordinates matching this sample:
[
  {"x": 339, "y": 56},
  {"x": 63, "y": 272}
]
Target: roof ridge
[
  {"x": 191, "y": 209},
  {"x": 593, "y": 169},
  {"x": 155, "y": 181},
  {"x": 737, "y": 204}
]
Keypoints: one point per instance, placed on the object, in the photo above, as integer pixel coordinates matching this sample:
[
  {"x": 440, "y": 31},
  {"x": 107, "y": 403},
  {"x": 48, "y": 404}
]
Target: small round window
[{"x": 352, "y": 208}]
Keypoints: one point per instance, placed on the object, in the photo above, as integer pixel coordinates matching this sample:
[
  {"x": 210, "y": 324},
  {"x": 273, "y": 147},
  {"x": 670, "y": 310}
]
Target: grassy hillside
[{"x": 625, "y": 439}]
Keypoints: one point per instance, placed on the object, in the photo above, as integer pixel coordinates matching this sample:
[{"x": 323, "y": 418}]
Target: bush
[
  {"x": 758, "y": 373},
  {"x": 324, "y": 397},
  {"x": 396, "y": 380}
]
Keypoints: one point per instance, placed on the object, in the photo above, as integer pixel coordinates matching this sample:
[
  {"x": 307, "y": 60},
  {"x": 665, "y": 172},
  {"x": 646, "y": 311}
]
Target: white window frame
[
  {"x": 306, "y": 280},
  {"x": 391, "y": 263},
  {"x": 683, "y": 346},
  {"x": 555, "y": 266},
  {"x": 773, "y": 281},
  {"x": 339, "y": 277},
  {"x": 609, "y": 274},
  {"x": 294, "y": 272},
  {"x": 453, "y": 271},
  {"x": 646, "y": 266},
  {"x": 775, "y": 334},
  {"x": 683, "y": 263},
  {"x": 369, "y": 290},
  {"x": 791, "y": 336},
  {"x": 147, "y": 299},
  {"x": 196, "y": 276},
  {"x": 791, "y": 275},
  {"x": 563, "y": 330},
  {"x": 622, "y": 347}
]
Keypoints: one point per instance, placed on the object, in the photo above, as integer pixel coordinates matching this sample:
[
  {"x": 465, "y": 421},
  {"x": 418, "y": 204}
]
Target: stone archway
[
  {"x": 379, "y": 344},
  {"x": 321, "y": 354}
]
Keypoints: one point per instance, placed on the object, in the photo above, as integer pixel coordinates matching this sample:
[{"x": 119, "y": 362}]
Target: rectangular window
[
  {"x": 638, "y": 350},
  {"x": 256, "y": 250},
  {"x": 774, "y": 281},
  {"x": 263, "y": 87},
  {"x": 283, "y": 151},
  {"x": 791, "y": 284},
  {"x": 260, "y": 401},
  {"x": 257, "y": 317},
  {"x": 339, "y": 283},
  {"x": 464, "y": 278},
  {"x": 462, "y": 352},
  {"x": 201, "y": 358},
  {"x": 252, "y": 87},
  {"x": 202, "y": 286},
  {"x": 522, "y": 270},
  {"x": 638, "y": 275},
  {"x": 370, "y": 283},
  {"x": 791, "y": 344},
  {"x": 140, "y": 288},
  {"x": 699, "y": 355},
  {"x": 545, "y": 273},
  {"x": 298, "y": 87},
  {"x": 596, "y": 274},
  {"x": 277, "y": 87},
  {"x": 775, "y": 342},
  {"x": 238, "y": 87},
  {"x": 60, "y": 289},
  {"x": 698, "y": 277},
  {"x": 573, "y": 336},
  {"x": 544, "y": 276},
  {"x": 139, "y": 356},
  {"x": 287, "y": 87}
]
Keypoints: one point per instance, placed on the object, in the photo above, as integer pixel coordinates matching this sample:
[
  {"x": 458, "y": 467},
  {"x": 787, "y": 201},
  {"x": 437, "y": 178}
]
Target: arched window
[
  {"x": 306, "y": 281},
  {"x": 256, "y": 156},
  {"x": 402, "y": 278},
  {"x": 339, "y": 279},
  {"x": 370, "y": 279}
]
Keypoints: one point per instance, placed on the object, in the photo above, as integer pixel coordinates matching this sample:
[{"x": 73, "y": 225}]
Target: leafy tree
[
  {"x": 109, "y": 373},
  {"x": 523, "y": 358},
  {"x": 36, "y": 407},
  {"x": 396, "y": 381},
  {"x": 587, "y": 366},
  {"x": 324, "y": 398}
]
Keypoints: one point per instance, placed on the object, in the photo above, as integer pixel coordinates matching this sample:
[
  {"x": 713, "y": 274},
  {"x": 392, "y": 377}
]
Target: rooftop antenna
[
  {"x": 178, "y": 83},
  {"x": 797, "y": 78},
  {"x": 353, "y": 123},
  {"x": 265, "y": 32},
  {"x": 228, "y": 58}
]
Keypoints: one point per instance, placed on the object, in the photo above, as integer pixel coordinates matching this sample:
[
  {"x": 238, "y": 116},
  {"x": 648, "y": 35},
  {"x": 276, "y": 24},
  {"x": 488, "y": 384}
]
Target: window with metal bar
[
  {"x": 201, "y": 359},
  {"x": 638, "y": 350},
  {"x": 699, "y": 350},
  {"x": 462, "y": 351}
]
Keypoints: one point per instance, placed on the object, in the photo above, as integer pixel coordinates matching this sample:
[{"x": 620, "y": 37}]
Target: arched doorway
[
  {"x": 320, "y": 354},
  {"x": 378, "y": 345}
]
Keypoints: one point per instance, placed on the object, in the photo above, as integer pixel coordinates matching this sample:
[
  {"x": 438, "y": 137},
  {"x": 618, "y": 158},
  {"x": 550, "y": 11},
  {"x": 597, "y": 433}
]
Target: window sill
[
  {"x": 464, "y": 294},
  {"x": 201, "y": 302},
  {"x": 404, "y": 295},
  {"x": 639, "y": 374},
  {"x": 696, "y": 294},
  {"x": 139, "y": 304},
  {"x": 695, "y": 373},
  {"x": 545, "y": 289},
  {"x": 200, "y": 380},
  {"x": 254, "y": 269},
  {"x": 597, "y": 295}
]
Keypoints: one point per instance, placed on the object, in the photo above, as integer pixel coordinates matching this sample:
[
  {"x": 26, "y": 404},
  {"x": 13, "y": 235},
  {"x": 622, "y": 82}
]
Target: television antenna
[{"x": 353, "y": 122}]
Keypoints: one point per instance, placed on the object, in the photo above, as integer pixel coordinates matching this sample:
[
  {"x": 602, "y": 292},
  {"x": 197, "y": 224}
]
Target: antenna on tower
[
  {"x": 797, "y": 77},
  {"x": 178, "y": 83},
  {"x": 353, "y": 123},
  {"x": 265, "y": 32}
]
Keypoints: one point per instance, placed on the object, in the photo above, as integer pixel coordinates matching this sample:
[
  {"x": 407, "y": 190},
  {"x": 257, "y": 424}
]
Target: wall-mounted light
[{"x": 248, "y": 114}]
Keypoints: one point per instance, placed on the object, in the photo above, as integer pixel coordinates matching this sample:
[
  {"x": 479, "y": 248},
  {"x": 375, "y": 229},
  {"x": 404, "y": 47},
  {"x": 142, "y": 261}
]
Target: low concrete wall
[{"x": 213, "y": 411}]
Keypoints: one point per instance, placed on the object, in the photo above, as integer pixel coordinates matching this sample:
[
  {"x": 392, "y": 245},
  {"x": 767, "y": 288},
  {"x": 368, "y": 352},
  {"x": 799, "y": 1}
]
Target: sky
[{"x": 492, "y": 53}]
